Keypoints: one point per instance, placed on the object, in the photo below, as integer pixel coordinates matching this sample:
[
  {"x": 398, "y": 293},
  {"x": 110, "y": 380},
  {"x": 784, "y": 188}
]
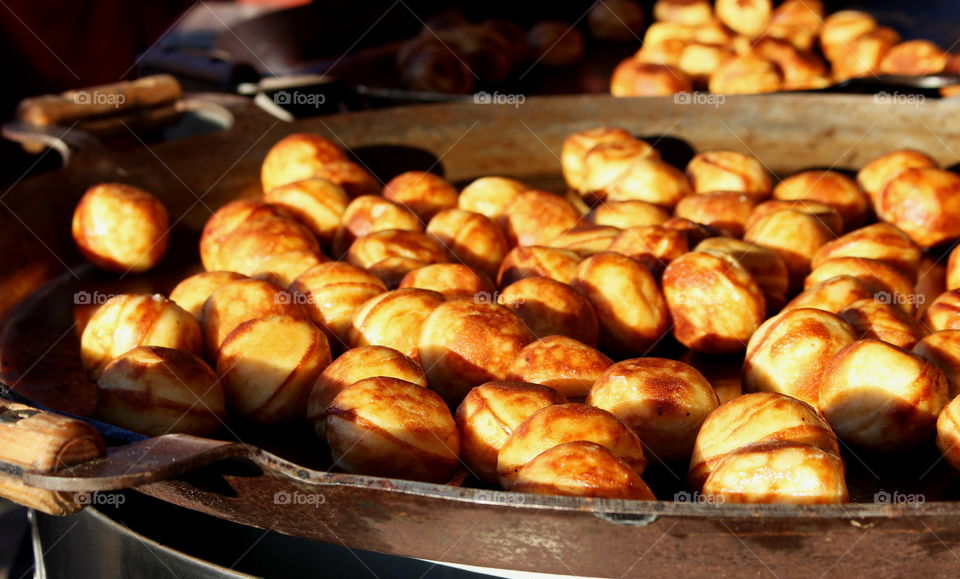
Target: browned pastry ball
[
  {"x": 828, "y": 187},
  {"x": 224, "y": 221},
  {"x": 944, "y": 312},
  {"x": 756, "y": 418},
  {"x": 472, "y": 238},
  {"x": 355, "y": 180},
  {"x": 490, "y": 196},
  {"x": 764, "y": 264},
  {"x": 555, "y": 43},
  {"x": 633, "y": 78},
  {"x": 239, "y": 301},
  {"x": 801, "y": 70},
  {"x": 564, "y": 364},
  {"x": 876, "y": 320},
  {"x": 562, "y": 423},
  {"x": 423, "y": 193},
  {"x": 254, "y": 241},
  {"x": 121, "y": 228},
  {"x": 699, "y": 60},
  {"x": 393, "y": 319},
  {"x": 714, "y": 301},
  {"x": 268, "y": 365},
  {"x": 748, "y": 73},
  {"x": 586, "y": 240},
  {"x": 616, "y": 20},
  {"x": 795, "y": 236},
  {"x": 648, "y": 180},
  {"x": 575, "y": 148},
  {"x": 862, "y": 56},
  {"x": 604, "y": 162},
  {"x": 925, "y": 204},
  {"x": 548, "y": 307},
  {"x": 388, "y": 427},
  {"x": 331, "y": 292},
  {"x": 537, "y": 217},
  {"x": 841, "y": 28},
  {"x": 371, "y": 213},
  {"x": 296, "y": 157},
  {"x": 625, "y": 214},
  {"x": 746, "y": 17},
  {"x": 316, "y": 203},
  {"x": 823, "y": 212},
  {"x": 452, "y": 280},
  {"x": 654, "y": 246},
  {"x": 881, "y": 241},
  {"x": 351, "y": 367},
  {"x": 948, "y": 433},
  {"x": 882, "y": 397},
  {"x": 380, "y": 245},
  {"x": 126, "y": 321},
  {"x": 875, "y": 175},
  {"x": 885, "y": 282},
  {"x": 663, "y": 43},
  {"x": 832, "y": 295},
  {"x": 685, "y": 12},
  {"x": 729, "y": 171},
  {"x": 155, "y": 391},
  {"x": 581, "y": 469},
  {"x": 664, "y": 401},
  {"x": 632, "y": 312},
  {"x": 789, "y": 352},
  {"x": 725, "y": 211},
  {"x": 191, "y": 293},
  {"x": 779, "y": 472},
  {"x": 797, "y": 21},
  {"x": 914, "y": 58},
  {"x": 534, "y": 261},
  {"x": 464, "y": 344},
  {"x": 489, "y": 414}
]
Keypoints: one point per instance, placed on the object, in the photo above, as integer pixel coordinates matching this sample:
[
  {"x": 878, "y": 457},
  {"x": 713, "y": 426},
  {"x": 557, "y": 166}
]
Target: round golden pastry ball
[
  {"x": 872, "y": 319},
  {"x": 863, "y": 56},
  {"x": 537, "y": 217},
  {"x": 562, "y": 423},
  {"x": 127, "y": 321},
  {"x": 332, "y": 292},
  {"x": 841, "y": 28},
  {"x": 380, "y": 245},
  {"x": 765, "y": 265},
  {"x": 881, "y": 241},
  {"x": 464, "y": 343},
  {"x": 296, "y": 157},
  {"x": 388, "y": 427},
  {"x": 586, "y": 240},
  {"x": 715, "y": 303},
  {"x": 800, "y": 69},
  {"x": 490, "y": 196},
  {"x": 725, "y": 373},
  {"x": 155, "y": 391},
  {"x": 748, "y": 73},
  {"x": 254, "y": 241},
  {"x": 472, "y": 238},
  {"x": 943, "y": 349},
  {"x": 581, "y": 469},
  {"x": 604, "y": 162},
  {"x": 548, "y": 307},
  {"x": 284, "y": 267},
  {"x": 370, "y": 213},
  {"x": 914, "y": 58},
  {"x": 488, "y": 415},
  {"x": 664, "y": 401},
  {"x": 534, "y": 261},
  {"x": 268, "y": 365},
  {"x": 944, "y": 312},
  {"x": 423, "y": 193},
  {"x": 781, "y": 473},
  {"x": 393, "y": 269},
  {"x": 631, "y": 310},
  {"x": 626, "y": 214},
  {"x": 352, "y": 366},
  {"x": 747, "y": 17},
  {"x": 633, "y": 78},
  {"x": 616, "y": 20},
  {"x": 239, "y": 301},
  {"x": 726, "y": 211},
  {"x": 663, "y": 43},
  {"x": 948, "y": 433},
  {"x": 649, "y": 180},
  {"x": 394, "y": 319},
  {"x": 120, "y": 228},
  {"x": 574, "y": 152},
  {"x": 729, "y": 171},
  {"x": 885, "y": 282},
  {"x": 831, "y": 295},
  {"x": 823, "y": 212},
  {"x": 828, "y": 187},
  {"x": 797, "y": 21},
  {"x": 789, "y": 352},
  {"x": 316, "y": 203},
  {"x": 882, "y": 397},
  {"x": 355, "y": 180},
  {"x": 699, "y": 60},
  {"x": 191, "y": 293},
  {"x": 225, "y": 220},
  {"x": 795, "y": 236},
  {"x": 562, "y": 363},
  {"x": 875, "y": 175},
  {"x": 756, "y": 418},
  {"x": 452, "y": 280},
  {"x": 654, "y": 246},
  {"x": 925, "y": 204},
  {"x": 685, "y": 12}
]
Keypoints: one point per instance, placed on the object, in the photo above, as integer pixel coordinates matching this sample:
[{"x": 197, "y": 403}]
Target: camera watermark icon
[
  {"x": 284, "y": 297},
  {"x": 95, "y": 499},
  {"x": 497, "y": 298},
  {"x": 297, "y": 98},
  {"x": 497, "y": 98},
  {"x": 298, "y": 498},
  {"x": 95, "y": 298},
  {"x": 699, "y": 98},
  {"x": 501, "y": 498},
  {"x": 696, "y": 299},
  {"x": 899, "y": 299},
  {"x": 897, "y": 498},
  {"x": 898, "y": 98},
  {"x": 82, "y": 97},
  {"x": 698, "y": 498}
]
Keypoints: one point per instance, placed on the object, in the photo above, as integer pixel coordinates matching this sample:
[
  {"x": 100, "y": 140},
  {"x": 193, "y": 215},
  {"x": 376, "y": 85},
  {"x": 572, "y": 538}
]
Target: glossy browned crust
[
  {"x": 828, "y": 187},
  {"x": 534, "y": 261},
  {"x": 876, "y": 320},
  {"x": 452, "y": 280},
  {"x": 472, "y": 238},
  {"x": 191, "y": 293},
  {"x": 562, "y": 363},
  {"x": 883, "y": 280},
  {"x": 765, "y": 265},
  {"x": 943, "y": 349},
  {"x": 749, "y": 73},
  {"x": 331, "y": 292},
  {"x": 394, "y": 319},
  {"x": 747, "y": 17},
  {"x": 729, "y": 171},
  {"x": 795, "y": 236},
  {"x": 423, "y": 193},
  {"x": 832, "y": 295},
  {"x": 925, "y": 204},
  {"x": 604, "y": 163},
  {"x": 944, "y": 312},
  {"x": 586, "y": 240},
  {"x": 875, "y": 175},
  {"x": 635, "y": 78},
  {"x": 548, "y": 307},
  {"x": 914, "y": 58},
  {"x": 843, "y": 27},
  {"x": 239, "y": 301},
  {"x": 368, "y": 214},
  {"x": 227, "y": 218},
  {"x": 726, "y": 211},
  {"x": 685, "y": 12},
  {"x": 581, "y": 469},
  {"x": 828, "y": 215},
  {"x": 253, "y": 241},
  {"x": 881, "y": 241},
  {"x": 490, "y": 196},
  {"x": 625, "y": 214},
  {"x": 354, "y": 179},
  {"x": 537, "y": 217},
  {"x": 654, "y": 246},
  {"x": 316, "y": 203},
  {"x": 575, "y": 148},
  {"x": 798, "y": 21},
  {"x": 380, "y": 245},
  {"x": 297, "y": 156}
]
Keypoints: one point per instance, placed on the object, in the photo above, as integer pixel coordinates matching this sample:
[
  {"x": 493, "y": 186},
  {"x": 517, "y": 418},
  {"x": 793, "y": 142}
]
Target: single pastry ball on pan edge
[
  {"x": 581, "y": 469},
  {"x": 296, "y": 157}
]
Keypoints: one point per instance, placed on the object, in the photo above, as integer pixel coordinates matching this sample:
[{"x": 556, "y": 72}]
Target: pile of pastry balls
[
  {"x": 510, "y": 333},
  {"x": 750, "y": 46}
]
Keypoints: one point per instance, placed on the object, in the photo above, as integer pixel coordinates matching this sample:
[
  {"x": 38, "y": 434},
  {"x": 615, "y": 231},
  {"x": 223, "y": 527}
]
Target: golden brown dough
[
  {"x": 944, "y": 312},
  {"x": 225, "y": 220},
  {"x": 881, "y": 241},
  {"x": 564, "y": 364},
  {"x": 625, "y": 214},
  {"x": 725, "y": 211},
  {"x": 748, "y": 73},
  {"x": 925, "y": 204},
  {"x": 522, "y": 262},
  {"x": 296, "y": 157},
  {"x": 452, "y": 280},
  {"x": 606, "y": 161},
  {"x": 490, "y": 196},
  {"x": 943, "y": 349},
  {"x": 632, "y": 77},
  {"x": 191, "y": 293},
  {"x": 375, "y": 247},
  {"x": 425, "y": 194},
  {"x": 331, "y": 292},
  {"x": 586, "y": 240},
  {"x": 548, "y": 307},
  {"x": 394, "y": 319},
  {"x": 832, "y": 295},
  {"x": 472, "y": 238},
  {"x": 685, "y": 12},
  {"x": 765, "y": 265},
  {"x": 368, "y": 214},
  {"x": 876, "y": 320},
  {"x": 841, "y": 28},
  {"x": 914, "y": 58},
  {"x": 284, "y": 267},
  {"x": 240, "y": 301},
  {"x": 729, "y": 171},
  {"x": 828, "y": 187},
  {"x": 316, "y": 203},
  {"x": 797, "y": 21},
  {"x": 823, "y": 212},
  {"x": 795, "y": 236},
  {"x": 574, "y": 152},
  {"x": 537, "y": 217},
  {"x": 747, "y": 17},
  {"x": 255, "y": 240},
  {"x": 654, "y": 246},
  {"x": 648, "y": 180},
  {"x": 581, "y": 469},
  {"x": 885, "y": 282},
  {"x": 875, "y": 175}
]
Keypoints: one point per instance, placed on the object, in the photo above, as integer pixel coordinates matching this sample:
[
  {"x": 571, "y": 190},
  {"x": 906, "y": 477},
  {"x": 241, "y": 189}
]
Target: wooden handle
[
  {"x": 43, "y": 442},
  {"x": 101, "y": 100}
]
